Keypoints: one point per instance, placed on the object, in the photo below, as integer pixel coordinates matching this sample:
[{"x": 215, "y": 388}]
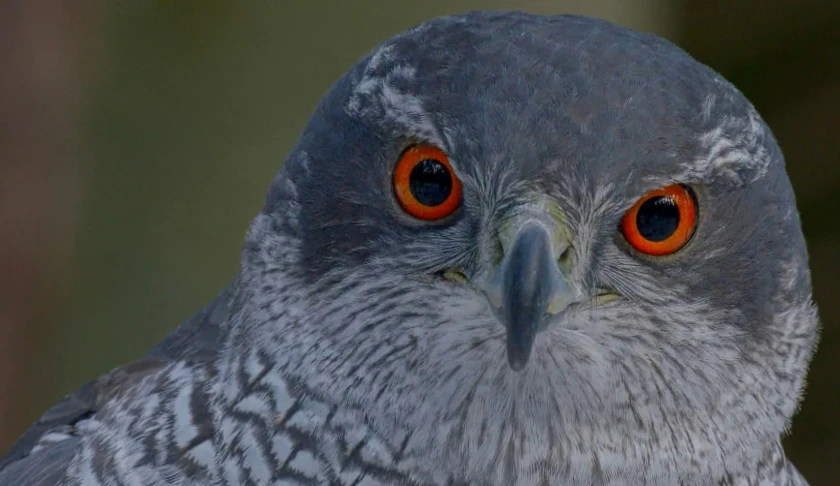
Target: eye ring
[
  {"x": 662, "y": 221},
  {"x": 425, "y": 183}
]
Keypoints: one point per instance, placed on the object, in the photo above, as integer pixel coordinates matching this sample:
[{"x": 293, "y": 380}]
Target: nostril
[
  {"x": 565, "y": 260},
  {"x": 454, "y": 275}
]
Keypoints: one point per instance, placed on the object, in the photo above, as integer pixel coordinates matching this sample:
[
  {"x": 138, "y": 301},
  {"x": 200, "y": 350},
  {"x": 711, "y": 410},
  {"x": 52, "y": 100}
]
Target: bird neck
[{"x": 290, "y": 429}]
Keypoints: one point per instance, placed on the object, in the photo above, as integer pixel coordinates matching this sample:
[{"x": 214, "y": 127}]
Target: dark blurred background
[{"x": 138, "y": 139}]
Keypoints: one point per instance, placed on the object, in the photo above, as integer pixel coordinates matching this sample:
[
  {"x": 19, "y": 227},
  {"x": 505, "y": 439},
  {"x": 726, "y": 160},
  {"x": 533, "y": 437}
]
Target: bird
[{"x": 507, "y": 249}]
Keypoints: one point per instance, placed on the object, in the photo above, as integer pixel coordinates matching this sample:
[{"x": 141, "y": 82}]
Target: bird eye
[
  {"x": 662, "y": 221},
  {"x": 425, "y": 184}
]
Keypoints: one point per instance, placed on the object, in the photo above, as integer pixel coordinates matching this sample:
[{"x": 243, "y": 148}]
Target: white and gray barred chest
[
  {"x": 246, "y": 424},
  {"x": 274, "y": 431},
  {"x": 261, "y": 430},
  {"x": 154, "y": 433}
]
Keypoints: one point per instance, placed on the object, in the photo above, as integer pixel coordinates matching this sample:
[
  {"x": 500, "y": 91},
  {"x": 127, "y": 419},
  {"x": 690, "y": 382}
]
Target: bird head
[{"x": 539, "y": 244}]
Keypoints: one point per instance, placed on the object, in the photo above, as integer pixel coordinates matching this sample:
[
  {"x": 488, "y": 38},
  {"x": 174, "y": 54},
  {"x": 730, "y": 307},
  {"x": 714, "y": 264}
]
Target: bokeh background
[{"x": 137, "y": 140}]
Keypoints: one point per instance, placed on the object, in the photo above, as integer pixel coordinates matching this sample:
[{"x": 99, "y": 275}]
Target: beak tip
[
  {"x": 517, "y": 367},
  {"x": 517, "y": 361}
]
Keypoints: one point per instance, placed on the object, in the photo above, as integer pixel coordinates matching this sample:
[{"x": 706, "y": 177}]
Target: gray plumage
[{"x": 344, "y": 353}]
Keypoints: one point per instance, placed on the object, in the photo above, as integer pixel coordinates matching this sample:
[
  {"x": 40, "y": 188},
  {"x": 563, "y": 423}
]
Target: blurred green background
[{"x": 173, "y": 117}]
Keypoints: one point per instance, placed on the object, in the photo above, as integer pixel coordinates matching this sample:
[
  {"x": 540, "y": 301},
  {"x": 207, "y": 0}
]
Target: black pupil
[
  {"x": 430, "y": 182},
  {"x": 658, "y": 218}
]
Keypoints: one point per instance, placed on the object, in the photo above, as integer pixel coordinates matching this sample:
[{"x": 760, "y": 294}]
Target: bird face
[{"x": 551, "y": 236}]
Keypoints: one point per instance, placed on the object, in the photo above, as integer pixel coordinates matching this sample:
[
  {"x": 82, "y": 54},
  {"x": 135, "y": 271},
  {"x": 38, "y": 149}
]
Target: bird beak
[{"x": 528, "y": 286}]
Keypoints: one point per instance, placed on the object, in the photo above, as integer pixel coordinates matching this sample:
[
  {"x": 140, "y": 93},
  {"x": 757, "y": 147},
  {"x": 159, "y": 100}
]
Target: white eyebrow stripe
[{"x": 734, "y": 150}]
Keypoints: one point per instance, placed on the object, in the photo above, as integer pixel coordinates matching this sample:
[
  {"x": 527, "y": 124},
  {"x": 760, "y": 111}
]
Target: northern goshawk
[{"x": 508, "y": 249}]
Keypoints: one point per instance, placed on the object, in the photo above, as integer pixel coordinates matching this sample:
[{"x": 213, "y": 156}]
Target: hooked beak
[{"x": 527, "y": 287}]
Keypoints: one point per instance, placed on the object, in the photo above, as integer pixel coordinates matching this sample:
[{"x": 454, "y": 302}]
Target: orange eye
[
  {"x": 662, "y": 221},
  {"x": 425, "y": 184}
]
